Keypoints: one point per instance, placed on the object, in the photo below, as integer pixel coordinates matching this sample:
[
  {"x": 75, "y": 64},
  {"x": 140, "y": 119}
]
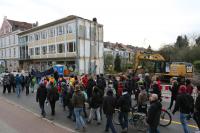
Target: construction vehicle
[{"x": 161, "y": 67}]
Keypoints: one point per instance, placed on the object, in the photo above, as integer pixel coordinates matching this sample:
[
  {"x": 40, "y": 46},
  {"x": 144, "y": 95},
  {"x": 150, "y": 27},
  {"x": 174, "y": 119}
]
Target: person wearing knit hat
[{"x": 185, "y": 104}]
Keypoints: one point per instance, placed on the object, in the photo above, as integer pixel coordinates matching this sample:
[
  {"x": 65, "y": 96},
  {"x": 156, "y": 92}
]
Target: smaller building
[{"x": 9, "y": 47}]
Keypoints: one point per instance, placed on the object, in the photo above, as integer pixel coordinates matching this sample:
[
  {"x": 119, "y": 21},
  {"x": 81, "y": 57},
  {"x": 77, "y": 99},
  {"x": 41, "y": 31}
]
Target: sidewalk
[{"x": 14, "y": 119}]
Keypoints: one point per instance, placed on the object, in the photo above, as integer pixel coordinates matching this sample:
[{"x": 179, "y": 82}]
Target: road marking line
[
  {"x": 178, "y": 123},
  {"x": 37, "y": 115}
]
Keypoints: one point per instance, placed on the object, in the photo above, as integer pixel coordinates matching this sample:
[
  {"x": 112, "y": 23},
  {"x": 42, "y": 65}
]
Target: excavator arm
[{"x": 139, "y": 56}]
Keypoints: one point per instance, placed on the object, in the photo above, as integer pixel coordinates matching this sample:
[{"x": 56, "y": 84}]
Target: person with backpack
[
  {"x": 124, "y": 104},
  {"x": 95, "y": 103},
  {"x": 196, "y": 115},
  {"x": 185, "y": 104},
  {"x": 78, "y": 101}
]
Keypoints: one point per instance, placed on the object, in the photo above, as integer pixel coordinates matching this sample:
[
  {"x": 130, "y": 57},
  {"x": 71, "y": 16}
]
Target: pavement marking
[
  {"x": 45, "y": 119},
  {"x": 178, "y": 123}
]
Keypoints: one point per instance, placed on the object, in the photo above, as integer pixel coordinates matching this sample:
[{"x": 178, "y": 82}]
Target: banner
[{"x": 42, "y": 74}]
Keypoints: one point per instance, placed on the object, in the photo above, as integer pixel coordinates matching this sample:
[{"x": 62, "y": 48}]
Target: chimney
[{"x": 94, "y": 20}]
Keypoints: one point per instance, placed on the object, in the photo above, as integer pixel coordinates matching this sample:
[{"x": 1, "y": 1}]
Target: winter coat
[
  {"x": 78, "y": 100},
  {"x": 53, "y": 95},
  {"x": 96, "y": 99},
  {"x": 6, "y": 80},
  {"x": 174, "y": 90},
  {"x": 91, "y": 84},
  {"x": 184, "y": 103},
  {"x": 41, "y": 94},
  {"x": 153, "y": 115},
  {"x": 109, "y": 103},
  {"x": 124, "y": 102}
]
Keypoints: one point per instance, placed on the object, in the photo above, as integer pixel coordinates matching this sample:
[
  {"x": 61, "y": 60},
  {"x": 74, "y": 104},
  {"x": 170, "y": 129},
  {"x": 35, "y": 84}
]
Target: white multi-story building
[
  {"x": 9, "y": 48},
  {"x": 71, "y": 41}
]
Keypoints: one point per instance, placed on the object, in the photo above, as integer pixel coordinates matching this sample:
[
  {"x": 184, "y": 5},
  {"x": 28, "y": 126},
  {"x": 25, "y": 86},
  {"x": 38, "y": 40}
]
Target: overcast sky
[{"x": 135, "y": 22}]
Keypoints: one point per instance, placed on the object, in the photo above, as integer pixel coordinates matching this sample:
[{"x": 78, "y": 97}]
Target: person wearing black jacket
[
  {"x": 91, "y": 84},
  {"x": 124, "y": 104},
  {"x": 174, "y": 91},
  {"x": 52, "y": 96},
  {"x": 95, "y": 103},
  {"x": 185, "y": 104},
  {"x": 197, "y": 108},
  {"x": 12, "y": 82},
  {"x": 41, "y": 97},
  {"x": 153, "y": 115},
  {"x": 108, "y": 107}
]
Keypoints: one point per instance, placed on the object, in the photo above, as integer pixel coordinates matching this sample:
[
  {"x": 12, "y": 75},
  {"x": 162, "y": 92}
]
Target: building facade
[
  {"x": 9, "y": 47},
  {"x": 72, "y": 41}
]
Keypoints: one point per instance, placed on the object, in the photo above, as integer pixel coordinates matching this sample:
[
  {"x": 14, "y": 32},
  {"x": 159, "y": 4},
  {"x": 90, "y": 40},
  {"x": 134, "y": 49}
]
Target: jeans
[
  {"x": 123, "y": 118},
  {"x": 92, "y": 113},
  {"x": 153, "y": 130},
  {"x": 183, "y": 121},
  {"x": 79, "y": 119},
  {"x": 109, "y": 123},
  {"x": 18, "y": 90}
]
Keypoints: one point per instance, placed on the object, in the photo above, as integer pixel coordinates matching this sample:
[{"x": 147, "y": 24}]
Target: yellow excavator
[{"x": 162, "y": 67}]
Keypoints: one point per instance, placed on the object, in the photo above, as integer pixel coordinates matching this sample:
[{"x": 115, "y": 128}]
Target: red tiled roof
[{"x": 19, "y": 25}]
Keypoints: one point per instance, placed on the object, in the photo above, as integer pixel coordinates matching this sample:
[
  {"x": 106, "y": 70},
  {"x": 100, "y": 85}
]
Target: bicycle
[
  {"x": 165, "y": 118},
  {"x": 138, "y": 120}
]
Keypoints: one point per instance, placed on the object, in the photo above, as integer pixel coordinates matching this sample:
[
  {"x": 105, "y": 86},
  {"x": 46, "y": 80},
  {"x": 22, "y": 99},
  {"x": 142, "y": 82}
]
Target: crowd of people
[{"x": 103, "y": 95}]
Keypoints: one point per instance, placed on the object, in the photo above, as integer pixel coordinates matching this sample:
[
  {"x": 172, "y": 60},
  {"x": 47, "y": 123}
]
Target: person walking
[
  {"x": 124, "y": 103},
  {"x": 12, "y": 82},
  {"x": 174, "y": 93},
  {"x": 18, "y": 85},
  {"x": 22, "y": 82},
  {"x": 41, "y": 96},
  {"x": 52, "y": 97},
  {"x": 109, "y": 103},
  {"x": 185, "y": 104},
  {"x": 95, "y": 103},
  {"x": 78, "y": 101},
  {"x": 197, "y": 108},
  {"x": 153, "y": 115},
  {"x": 6, "y": 83}
]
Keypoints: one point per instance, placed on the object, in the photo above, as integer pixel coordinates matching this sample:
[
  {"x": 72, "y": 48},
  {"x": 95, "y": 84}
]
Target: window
[
  {"x": 37, "y": 51},
  {"x": 14, "y": 52},
  {"x": 0, "y": 43},
  {"x": 37, "y": 36},
  {"x": 44, "y": 35},
  {"x": 61, "y": 48},
  {"x": 71, "y": 28},
  {"x": 81, "y": 31},
  {"x": 44, "y": 50},
  {"x": 60, "y": 30},
  {"x": 30, "y": 38},
  {"x": 51, "y": 32},
  {"x": 71, "y": 47},
  {"x": 31, "y": 51},
  {"x": 52, "y": 49}
]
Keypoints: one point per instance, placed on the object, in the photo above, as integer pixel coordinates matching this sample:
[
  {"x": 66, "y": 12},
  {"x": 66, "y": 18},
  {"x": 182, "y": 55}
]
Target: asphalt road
[{"x": 28, "y": 105}]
